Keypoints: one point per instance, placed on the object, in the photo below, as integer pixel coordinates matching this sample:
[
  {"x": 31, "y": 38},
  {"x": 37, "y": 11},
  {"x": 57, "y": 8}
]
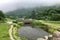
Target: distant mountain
[
  {"x": 24, "y": 12},
  {"x": 20, "y": 12},
  {"x": 27, "y": 11}
]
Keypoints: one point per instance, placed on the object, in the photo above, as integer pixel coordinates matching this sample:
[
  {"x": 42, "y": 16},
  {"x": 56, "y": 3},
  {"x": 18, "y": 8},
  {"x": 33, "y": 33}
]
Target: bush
[
  {"x": 51, "y": 30},
  {"x": 58, "y": 29},
  {"x": 37, "y": 23},
  {"x": 20, "y": 23},
  {"x": 14, "y": 25},
  {"x": 14, "y": 22}
]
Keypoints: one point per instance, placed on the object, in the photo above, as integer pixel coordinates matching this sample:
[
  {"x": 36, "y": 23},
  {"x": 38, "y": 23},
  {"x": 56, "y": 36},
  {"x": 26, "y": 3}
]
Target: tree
[
  {"x": 33, "y": 15},
  {"x": 2, "y": 16}
]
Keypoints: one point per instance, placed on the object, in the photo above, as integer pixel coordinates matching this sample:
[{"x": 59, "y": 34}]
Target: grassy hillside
[{"x": 4, "y": 31}]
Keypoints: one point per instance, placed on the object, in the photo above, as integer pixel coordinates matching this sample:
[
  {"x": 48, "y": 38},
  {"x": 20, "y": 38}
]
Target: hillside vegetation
[
  {"x": 42, "y": 13},
  {"x": 24, "y": 12},
  {"x": 50, "y": 13}
]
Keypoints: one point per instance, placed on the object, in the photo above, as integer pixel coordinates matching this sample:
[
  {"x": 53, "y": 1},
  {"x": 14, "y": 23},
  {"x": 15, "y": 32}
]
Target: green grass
[
  {"x": 15, "y": 34},
  {"x": 4, "y": 31},
  {"x": 55, "y": 24}
]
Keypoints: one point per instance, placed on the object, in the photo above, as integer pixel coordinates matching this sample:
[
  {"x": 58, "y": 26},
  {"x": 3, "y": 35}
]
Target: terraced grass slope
[
  {"x": 55, "y": 24},
  {"x": 4, "y": 31}
]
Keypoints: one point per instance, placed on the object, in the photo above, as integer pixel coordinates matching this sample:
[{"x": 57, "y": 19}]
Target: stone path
[{"x": 10, "y": 32}]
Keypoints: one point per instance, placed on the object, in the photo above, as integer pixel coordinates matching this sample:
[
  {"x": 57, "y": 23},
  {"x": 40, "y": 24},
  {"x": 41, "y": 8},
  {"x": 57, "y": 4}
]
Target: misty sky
[{"x": 10, "y": 5}]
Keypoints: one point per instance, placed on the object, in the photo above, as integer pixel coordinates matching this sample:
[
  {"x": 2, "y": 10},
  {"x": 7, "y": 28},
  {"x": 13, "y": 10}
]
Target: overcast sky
[{"x": 9, "y": 5}]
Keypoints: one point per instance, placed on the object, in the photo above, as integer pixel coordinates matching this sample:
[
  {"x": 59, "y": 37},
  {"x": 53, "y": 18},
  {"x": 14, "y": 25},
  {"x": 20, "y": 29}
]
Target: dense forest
[
  {"x": 40, "y": 13},
  {"x": 50, "y": 13}
]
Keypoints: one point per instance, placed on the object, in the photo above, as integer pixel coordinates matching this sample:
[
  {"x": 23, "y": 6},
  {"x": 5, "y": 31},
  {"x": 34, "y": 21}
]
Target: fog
[{"x": 10, "y": 5}]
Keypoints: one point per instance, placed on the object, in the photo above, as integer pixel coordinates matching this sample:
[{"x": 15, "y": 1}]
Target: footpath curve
[{"x": 10, "y": 32}]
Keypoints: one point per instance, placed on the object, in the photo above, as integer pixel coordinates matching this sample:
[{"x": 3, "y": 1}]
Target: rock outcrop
[{"x": 56, "y": 35}]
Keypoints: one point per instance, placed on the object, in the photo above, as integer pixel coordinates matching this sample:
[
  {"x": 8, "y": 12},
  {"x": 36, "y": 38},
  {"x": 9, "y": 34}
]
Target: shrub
[
  {"x": 58, "y": 29},
  {"x": 20, "y": 23},
  {"x": 37, "y": 23},
  {"x": 14, "y": 25},
  {"x": 51, "y": 30},
  {"x": 14, "y": 22}
]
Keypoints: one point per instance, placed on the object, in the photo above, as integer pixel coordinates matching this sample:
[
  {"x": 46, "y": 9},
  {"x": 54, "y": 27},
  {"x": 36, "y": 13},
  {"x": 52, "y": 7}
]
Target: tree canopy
[
  {"x": 2, "y": 16},
  {"x": 47, "y": 14}
]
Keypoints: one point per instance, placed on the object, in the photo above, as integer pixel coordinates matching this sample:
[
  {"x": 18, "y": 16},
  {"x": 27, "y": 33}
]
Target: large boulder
[
  {"x": 56, "y": 35},
  {"x": 40, "y": 39}
]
